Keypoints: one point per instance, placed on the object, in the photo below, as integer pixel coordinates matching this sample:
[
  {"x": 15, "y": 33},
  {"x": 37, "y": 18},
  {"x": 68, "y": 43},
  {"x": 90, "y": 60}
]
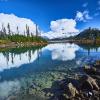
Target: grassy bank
[{"x": 21, "y": 40}]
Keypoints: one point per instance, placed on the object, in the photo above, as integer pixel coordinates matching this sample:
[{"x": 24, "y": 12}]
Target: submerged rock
[
  {"x": 98, "y": 63},
  {"x": 84, "y": 87},
  {"x": 92, "y": 70},
  {"x": 88, "y": 83},
  {"x": 71, "y": 91}
]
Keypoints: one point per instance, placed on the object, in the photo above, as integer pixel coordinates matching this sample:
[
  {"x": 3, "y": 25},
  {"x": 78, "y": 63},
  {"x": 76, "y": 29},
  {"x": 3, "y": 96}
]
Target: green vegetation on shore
[
  {"x": 90, "y": 35},
  {"x": 7, "y": 36},
  {"x": 21, "y": 38}
]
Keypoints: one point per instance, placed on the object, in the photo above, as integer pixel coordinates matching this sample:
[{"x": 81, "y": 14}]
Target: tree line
[
  {"x": 7, "y": 34},
  {"x": 90, "y": 33},
  {"x": 7, "y": 31}
]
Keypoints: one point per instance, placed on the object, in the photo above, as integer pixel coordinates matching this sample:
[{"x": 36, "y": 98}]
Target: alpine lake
[{"x": 25, "y": 72}]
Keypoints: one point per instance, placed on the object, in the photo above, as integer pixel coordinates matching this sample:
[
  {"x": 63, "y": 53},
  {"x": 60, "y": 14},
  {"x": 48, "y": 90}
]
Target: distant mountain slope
[{"x": 90, "y": 33}]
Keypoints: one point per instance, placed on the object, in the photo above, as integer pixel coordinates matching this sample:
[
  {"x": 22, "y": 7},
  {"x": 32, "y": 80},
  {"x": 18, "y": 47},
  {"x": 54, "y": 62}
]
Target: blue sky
[{"x": 43, "y": 12}]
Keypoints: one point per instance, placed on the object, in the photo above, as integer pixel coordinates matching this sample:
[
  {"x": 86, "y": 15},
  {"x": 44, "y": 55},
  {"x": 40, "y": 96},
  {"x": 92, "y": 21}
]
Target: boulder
[
  {"x": 71, "y": 91},
  {"x": 88, "y": 83},
  {"x": 92, "y": 70},
  {"x": 98, "y": 62}
]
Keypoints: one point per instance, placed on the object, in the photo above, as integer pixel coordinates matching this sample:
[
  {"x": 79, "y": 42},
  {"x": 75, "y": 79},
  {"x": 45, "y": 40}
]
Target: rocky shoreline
[{"x": 85, "y": 87}]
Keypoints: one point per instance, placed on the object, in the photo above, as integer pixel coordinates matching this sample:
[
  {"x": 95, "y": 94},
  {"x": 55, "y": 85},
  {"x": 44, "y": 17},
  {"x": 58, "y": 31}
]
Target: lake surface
[{"x": 21, "y": 68}]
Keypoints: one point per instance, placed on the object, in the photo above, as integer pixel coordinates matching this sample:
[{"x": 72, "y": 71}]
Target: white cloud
[
  {"x": 62, "y": 28},
  {"x": 85, "y": 4},
  {"x": 16, "y": 60},
  {"x": 87, "y": 16},
  {"x": 7, "y": 87},
  {"x": 65, "y": 25},
  {"x": 79, "y": 16},
  {"x": 15, "y": 21},
  {"x": 83, "y": 16},
  {"x": 59, "y": 28}
]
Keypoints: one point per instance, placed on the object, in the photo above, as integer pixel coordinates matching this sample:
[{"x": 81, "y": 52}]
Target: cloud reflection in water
[
  {"x": 62, "y": 52},
  {"x": 6, "y": 88},
  {"x": 11, "y": 60}
]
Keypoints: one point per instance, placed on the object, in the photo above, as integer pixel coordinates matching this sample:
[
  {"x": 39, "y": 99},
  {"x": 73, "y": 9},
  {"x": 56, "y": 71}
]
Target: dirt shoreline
[
  {"x": 26, "y": 44},
  {"x": 97, "y": 42}
]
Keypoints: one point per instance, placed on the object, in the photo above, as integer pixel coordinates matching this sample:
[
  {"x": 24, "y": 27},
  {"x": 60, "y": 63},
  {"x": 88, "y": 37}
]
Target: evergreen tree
[
  {"x": 24, "y": 33},
  {"x": 36, "y": 30},
  {"x": 3, "y": 31},
  {"x": 17, "y": 30},
  {"x": 31, "y": 34},
  {"x": 9, "y": 31},
  {"x": 28, "y": 31}
]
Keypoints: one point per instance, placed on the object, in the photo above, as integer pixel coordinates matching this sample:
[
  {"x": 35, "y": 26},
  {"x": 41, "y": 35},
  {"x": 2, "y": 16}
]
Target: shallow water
[{"x": 39, "y": 67}]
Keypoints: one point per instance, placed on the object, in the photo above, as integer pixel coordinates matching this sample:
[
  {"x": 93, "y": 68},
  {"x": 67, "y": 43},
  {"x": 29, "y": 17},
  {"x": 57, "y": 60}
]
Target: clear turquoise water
[{"x": 22, "y": 67}]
